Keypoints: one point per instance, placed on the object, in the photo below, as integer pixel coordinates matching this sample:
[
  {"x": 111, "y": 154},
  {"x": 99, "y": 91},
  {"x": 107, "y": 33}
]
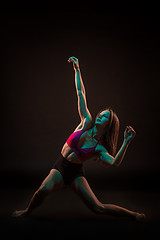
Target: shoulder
[{"x": 85, "y": 124}]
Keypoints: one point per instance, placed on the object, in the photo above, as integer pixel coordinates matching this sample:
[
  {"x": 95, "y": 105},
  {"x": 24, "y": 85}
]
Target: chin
[{"x": 98, "y": 123}]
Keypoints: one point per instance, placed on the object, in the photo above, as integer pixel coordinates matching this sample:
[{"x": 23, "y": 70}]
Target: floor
[{"x": 64, "y": 214}]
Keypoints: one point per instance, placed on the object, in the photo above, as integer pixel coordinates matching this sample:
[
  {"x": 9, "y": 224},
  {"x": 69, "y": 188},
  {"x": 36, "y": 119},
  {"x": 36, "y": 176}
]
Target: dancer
[{"x": 92, "y": 139}]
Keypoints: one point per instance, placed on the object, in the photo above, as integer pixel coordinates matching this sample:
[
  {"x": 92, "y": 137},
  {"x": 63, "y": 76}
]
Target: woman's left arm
[
  {"x": 129, "y": 134},
  {"x": 120, "y": 155}
]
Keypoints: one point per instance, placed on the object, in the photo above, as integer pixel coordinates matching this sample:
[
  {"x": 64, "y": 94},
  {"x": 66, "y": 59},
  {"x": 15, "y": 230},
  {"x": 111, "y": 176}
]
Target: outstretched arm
[
  {"x": 80, "y": 89},
  {"x": 107, "y": 159}
]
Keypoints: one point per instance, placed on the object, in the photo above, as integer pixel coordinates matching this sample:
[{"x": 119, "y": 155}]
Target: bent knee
[
  {"x": 98, "y": 208},
  {"x": 40, "y": 194},
  {"x": 42, "y": 190},
  {"x": 52, "y": 182}
]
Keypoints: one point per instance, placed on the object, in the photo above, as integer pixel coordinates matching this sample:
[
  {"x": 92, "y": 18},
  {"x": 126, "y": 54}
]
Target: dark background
[{"x": 118, "y": 47}]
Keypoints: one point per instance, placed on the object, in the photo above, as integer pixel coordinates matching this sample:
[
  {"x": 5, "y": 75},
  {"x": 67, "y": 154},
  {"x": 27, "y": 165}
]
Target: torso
[{"x": 85, "y": 141}]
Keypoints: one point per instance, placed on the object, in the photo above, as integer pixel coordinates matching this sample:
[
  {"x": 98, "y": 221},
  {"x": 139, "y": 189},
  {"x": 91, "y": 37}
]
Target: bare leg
[
  {"x": 82, "y": 187},
  {"x": 52, "y": 182}
]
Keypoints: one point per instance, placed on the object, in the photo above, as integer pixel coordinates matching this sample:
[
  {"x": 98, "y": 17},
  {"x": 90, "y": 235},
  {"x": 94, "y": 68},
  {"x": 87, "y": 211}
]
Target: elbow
[{"x": 114, "y": 164}]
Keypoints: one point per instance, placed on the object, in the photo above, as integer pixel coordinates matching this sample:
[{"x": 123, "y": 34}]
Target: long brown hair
[{"x": 110, "y": 138}]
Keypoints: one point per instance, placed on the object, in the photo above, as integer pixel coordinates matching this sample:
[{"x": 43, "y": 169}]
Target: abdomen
[{"x": 69, "y": 154}]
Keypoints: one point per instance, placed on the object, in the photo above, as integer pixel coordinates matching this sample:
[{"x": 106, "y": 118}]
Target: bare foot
[
  {"x": 140, "y": 217},
  {"x": 21, "y": 213}
]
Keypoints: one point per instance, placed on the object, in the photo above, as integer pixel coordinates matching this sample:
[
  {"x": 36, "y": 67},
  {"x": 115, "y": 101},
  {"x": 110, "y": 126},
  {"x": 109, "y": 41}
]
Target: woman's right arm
[{"x": 83, "y": 110}]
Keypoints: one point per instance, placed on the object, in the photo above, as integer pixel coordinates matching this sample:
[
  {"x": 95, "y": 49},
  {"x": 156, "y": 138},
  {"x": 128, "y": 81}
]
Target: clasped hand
[
  {"x": 75, "y": 62},
  {"x": 129, "y": 134}
]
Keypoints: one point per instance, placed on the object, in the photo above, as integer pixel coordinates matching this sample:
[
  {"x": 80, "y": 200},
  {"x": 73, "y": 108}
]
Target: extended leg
[
  {"x": 52, "y": 182},
  {"x": 82, "y": 187}
]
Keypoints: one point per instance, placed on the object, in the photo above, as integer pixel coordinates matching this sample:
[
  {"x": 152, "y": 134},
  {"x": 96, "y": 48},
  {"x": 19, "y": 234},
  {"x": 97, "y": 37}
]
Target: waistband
[{"x": 70, "y": 163}]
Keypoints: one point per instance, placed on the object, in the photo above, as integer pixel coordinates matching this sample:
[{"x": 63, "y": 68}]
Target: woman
[{"x": 96, "y": 140}]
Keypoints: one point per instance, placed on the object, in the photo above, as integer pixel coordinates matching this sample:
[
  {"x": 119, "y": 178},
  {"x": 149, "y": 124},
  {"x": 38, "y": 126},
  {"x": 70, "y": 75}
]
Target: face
[{"x": 103, "y": 119}]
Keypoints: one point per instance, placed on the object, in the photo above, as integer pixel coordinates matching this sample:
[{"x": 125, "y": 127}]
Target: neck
[{"x": 97, "y": 133}]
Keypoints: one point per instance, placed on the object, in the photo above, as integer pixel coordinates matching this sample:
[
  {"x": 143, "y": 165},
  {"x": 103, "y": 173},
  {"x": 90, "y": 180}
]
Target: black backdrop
[{"x": 118, "y": 49}]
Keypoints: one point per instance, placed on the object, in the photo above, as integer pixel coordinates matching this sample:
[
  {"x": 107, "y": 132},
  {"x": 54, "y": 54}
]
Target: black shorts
[{"x": 68, "y": 170}]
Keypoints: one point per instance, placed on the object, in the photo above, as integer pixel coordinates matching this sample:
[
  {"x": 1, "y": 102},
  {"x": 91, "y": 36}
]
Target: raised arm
[
  {"x": 80, "y": 89},
  {"x": 107, "y": 159}
]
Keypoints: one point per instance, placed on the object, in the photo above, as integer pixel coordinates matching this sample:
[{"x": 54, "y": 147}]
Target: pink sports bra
[{"x": 82, "y": 153}]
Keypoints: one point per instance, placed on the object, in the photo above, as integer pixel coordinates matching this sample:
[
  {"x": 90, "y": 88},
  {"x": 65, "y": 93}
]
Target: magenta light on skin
[
  {"x": 100, "y": 137},
  {"x": 82, "y": 153}
]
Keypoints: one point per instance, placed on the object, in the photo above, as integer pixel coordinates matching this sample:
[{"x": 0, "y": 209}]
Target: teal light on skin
[
  {"x": 103, "y": 118},
  {"x": 101, "y": 123},
  {"x": 55, "y": 178}
]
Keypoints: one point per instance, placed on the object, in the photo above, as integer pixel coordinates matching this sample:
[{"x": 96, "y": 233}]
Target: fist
[
  {"x": 75, "y": 62},
  {"x": 129, "y": 134}
]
